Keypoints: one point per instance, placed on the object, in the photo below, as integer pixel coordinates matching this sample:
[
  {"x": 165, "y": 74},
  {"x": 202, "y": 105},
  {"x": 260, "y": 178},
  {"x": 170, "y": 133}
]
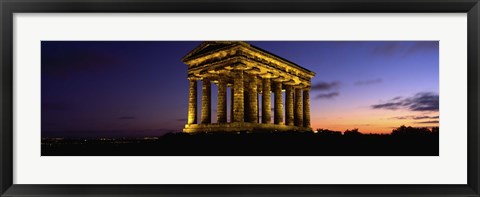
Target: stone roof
[{"x": 208, "y": 47}]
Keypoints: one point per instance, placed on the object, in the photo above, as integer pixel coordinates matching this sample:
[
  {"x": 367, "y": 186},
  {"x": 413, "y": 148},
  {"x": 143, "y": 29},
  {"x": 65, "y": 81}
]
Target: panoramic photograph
[{"x": 240, "y": 98}]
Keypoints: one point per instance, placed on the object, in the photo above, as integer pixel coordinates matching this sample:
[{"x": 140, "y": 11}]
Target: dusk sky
[{"x": 140, "y": 88}]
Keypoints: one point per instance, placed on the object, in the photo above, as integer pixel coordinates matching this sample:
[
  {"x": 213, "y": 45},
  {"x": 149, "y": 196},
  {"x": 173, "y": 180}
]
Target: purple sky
[{"x": 126, "y": 88}]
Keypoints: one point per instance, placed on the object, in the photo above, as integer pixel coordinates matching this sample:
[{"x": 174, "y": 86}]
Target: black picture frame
[{"x": 9, "y": 7}]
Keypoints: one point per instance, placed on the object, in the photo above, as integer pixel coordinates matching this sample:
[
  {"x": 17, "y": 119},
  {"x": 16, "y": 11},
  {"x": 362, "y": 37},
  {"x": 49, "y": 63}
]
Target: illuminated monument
[{"x": 249, "y": 72}]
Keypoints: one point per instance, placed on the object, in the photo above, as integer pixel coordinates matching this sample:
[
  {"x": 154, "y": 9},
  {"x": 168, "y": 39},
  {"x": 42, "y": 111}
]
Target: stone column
[
  {"x": 278, "y": 113},
  {"x": 206, "y": 102},
  {"x": 252, "y": 99},
  {"x": 259, "y": 91},
  {"x": 222, "y": 101},
  {"x": 231, "y": 103},
  {"x": 306, "y": 108},
  {"x": 238, "y": 113},
  {"x": 192, "y": 102},
  {"x": 258, "y": 107},
  {"x": 298, "y": 107},
  {"x": 266, "y": 105},
  {"x": 289, "y": 118},
  {"x": 246, "y": 106}
]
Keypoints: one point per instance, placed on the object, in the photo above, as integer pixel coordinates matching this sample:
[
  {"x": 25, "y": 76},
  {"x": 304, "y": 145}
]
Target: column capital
[
  {"x": 193, "y": 78},
  {"x": 290, "y": 82},
  {"x": 268, "y": 75},
  {"x": 239, "y": 66},
  {"x": 253, "y": 70},
  {"x": 299, "y": 87},
  {"x": 280, "y": 79}
]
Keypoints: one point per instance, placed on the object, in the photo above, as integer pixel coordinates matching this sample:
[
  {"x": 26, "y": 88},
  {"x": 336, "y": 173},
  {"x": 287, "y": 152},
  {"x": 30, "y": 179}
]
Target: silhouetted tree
[
  {"x": 353, "y": 132},
  {"x": 328, "y": 132},
  {"x": 410, "y": 131},
  {"x": 435, "y": 130}
]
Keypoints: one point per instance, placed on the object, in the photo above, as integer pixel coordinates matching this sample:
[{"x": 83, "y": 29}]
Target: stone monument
[{"x": 248, "y": 72}]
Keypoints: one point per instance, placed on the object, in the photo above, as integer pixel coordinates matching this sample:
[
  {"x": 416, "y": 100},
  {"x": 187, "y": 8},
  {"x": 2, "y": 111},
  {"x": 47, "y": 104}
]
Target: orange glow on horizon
[{"x": 374, "y": 121}]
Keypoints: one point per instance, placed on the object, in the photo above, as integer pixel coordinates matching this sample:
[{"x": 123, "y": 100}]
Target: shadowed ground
[{"x": 253, "y": 144}]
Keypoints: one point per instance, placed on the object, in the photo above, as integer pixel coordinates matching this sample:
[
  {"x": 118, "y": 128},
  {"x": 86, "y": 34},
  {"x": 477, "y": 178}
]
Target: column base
[{"x": 241, "y": 127}]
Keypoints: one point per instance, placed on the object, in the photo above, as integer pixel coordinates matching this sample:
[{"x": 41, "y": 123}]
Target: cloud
[
  {"x": 323, "y": 86},
  {"x": 397, "y": 98},
  {"x": 423, "y": 101},
  {"x": 426, "y": 117},
  {"x": 127, "y": 118},
  {"x": 415, "y": 117},
  {"x": 326, "y": 86},
  {"x": 391, "y": 106},
  {"x": 327, "y": 95},
  {"x": 368, "y": 82},
  {"x": 428, "y": 122}
]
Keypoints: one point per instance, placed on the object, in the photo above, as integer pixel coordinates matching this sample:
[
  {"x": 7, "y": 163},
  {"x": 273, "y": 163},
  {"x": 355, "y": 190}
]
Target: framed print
[
  {"x": 129, "y": 98},
  {"x": 242, "y": 128}
]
